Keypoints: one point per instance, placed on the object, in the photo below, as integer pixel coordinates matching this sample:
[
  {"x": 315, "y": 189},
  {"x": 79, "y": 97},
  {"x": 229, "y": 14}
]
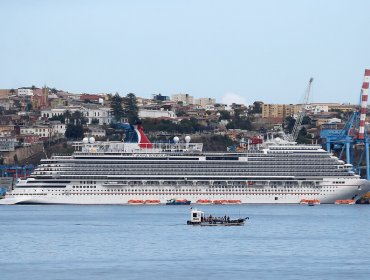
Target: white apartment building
[
  {"x": 58, "y": 128},
  {"x": 317, "y": 108},
  {"x": 25, "y": 92},
  {"x": 102, "y": 114},
  {"x": 145, "y": 113}
]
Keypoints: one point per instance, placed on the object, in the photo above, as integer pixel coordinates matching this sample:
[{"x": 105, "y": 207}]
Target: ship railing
[{"x": 110, "y": 147}]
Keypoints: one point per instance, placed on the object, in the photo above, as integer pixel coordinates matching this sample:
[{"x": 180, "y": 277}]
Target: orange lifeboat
[
  {"x": 219, "y": 201},
  {"x": 345, "y": 201},
  {"x": 152, "y": 201},
  {"x": 232, "y": 201},
  {"x": 204, "y": 201},
  {"x": 310, "y": 201},
  {"x": 135, "y": 201}
]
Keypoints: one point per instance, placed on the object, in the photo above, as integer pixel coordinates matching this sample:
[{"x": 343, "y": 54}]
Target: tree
[
  {"x": 29, "y": 106},
  {"x": 224, "y": 115},
  {"x": 15, "y": 158},
  {"x": 67, "y": 115},
  {"x": 257, "y": 107},
  {"x": 74, "y": 131},
  {"x": 130, "y": 108},
  {"x": 180, "y": 113},
  {"x": 116, "y": 105},
  {"x": 78, "y": 118},
  {"x": 94, "y": 121},
  {"x": 12, "y": 91},
  {"x": 289, "y": 124}
]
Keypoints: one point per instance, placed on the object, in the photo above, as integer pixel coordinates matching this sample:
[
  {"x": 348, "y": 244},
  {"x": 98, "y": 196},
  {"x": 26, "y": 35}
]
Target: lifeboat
[
  {"x": 310, "y": 201},
  {"x": 204, "y": 201},
  {"x": 220, "y": 202},
  {"x": 152, "y": 201},
  {"x": 233, "y": 201},
  {"x": 135, "y": 202},
  {"x": 345, "y": 201}
]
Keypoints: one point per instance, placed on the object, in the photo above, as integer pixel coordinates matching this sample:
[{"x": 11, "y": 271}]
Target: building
[
  {"x": 292, "y": 110},
  {"x": 204, "y": 101},
  {"x": 280, "y": 111},
  {"x": 6, "y": 93},
  {"x": 8, "y": 143},
  {"x": 93, "y": 98},
  {"x": 93, "y": 112},
  {"x": 58, "y": 129},
  {"x": 6, "y": 104},
  {"x": 97, "y": 132},
  {"x": 316, "y": 108},
  {"x": 183, "y": 97},
  {"x": 97, "y": 114},
  {"x": 22, "y": 92},
  {"x": 145, "y": 113},
  {"x": 273, "y": 111},
  {"x": 40, "y": 99},
  {"x": 160, "y": 97}
]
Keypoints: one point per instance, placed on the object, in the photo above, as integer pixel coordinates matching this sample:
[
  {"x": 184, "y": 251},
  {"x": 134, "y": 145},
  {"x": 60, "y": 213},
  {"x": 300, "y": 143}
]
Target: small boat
[
  {"x": 178, "y": 202},
  {"x": 135, "y": 202},
  {"x": 198, "y": 218},
  {"x": 204, "y": 201},
  {"x": 152, "y": 201},
  {"x": 345, "y": 201},
  {"x": 310, "y": 202}
]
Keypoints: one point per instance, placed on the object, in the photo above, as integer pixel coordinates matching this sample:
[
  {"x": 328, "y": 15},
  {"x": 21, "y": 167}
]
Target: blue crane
[{"x": 353, "y": 134}]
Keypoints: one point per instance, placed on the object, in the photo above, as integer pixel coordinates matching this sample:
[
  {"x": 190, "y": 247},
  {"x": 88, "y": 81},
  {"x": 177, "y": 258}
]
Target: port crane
[
  {"x": 301, "y": 114},
  {"x": 353, "y": 133}
]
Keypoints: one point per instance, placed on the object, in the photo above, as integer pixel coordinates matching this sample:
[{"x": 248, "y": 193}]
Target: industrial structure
[{"x": 353, "y": 134}]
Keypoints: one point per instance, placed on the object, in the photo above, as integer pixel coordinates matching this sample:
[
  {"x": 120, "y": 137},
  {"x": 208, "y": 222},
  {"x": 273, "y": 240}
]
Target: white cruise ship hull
[{"x": 327, "y": 193}]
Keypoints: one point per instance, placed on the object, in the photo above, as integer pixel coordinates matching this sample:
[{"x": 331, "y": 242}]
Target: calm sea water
[{"x": 147, "y": 242}]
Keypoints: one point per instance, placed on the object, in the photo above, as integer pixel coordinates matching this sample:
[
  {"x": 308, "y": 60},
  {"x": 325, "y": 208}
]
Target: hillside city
[{"x": 33, "y": 119}]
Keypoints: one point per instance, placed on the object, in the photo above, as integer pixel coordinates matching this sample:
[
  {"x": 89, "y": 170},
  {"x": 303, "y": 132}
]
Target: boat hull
[{"x": 325, "y": 193}]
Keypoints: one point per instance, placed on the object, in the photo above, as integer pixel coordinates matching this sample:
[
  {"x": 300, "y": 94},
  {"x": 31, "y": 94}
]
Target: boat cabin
[{"x": 196, "y": 216}]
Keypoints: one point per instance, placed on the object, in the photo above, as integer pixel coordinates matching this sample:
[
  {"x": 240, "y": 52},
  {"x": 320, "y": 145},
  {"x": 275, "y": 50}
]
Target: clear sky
[{"x": 230, "y": 50}]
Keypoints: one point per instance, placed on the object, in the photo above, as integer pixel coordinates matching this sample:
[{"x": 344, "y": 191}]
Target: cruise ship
[{"x": 139, "y": 171}]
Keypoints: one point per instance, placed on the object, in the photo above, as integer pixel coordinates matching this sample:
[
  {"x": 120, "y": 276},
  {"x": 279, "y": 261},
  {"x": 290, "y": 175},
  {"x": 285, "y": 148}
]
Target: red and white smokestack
[{"x": 364, "y": 97}]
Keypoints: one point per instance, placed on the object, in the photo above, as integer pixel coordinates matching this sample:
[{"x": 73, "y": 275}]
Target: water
[{"x": 147, "y": 242}]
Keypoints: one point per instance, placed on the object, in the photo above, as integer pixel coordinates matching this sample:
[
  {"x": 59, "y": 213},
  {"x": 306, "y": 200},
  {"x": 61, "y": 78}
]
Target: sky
[{"x": 234, "y": 51}]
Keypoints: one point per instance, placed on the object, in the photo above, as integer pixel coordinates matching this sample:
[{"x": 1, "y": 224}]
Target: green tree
[
  {"x": 78, "y": 118},
  {"x": 67, "y": 115},
  {"x": 74, "y": 131},
  {"x": 130, "y": 108},
  {"x": 29, "y": 106},
  {"x": 116, "y": 105},
  {"x": 289, "y": 124},
  {"x": 94, "y": 121},
  {"x": 257, "y": 107},
  {"x": 15, "y": 158},
  {"x": 224, "y": 115}
]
